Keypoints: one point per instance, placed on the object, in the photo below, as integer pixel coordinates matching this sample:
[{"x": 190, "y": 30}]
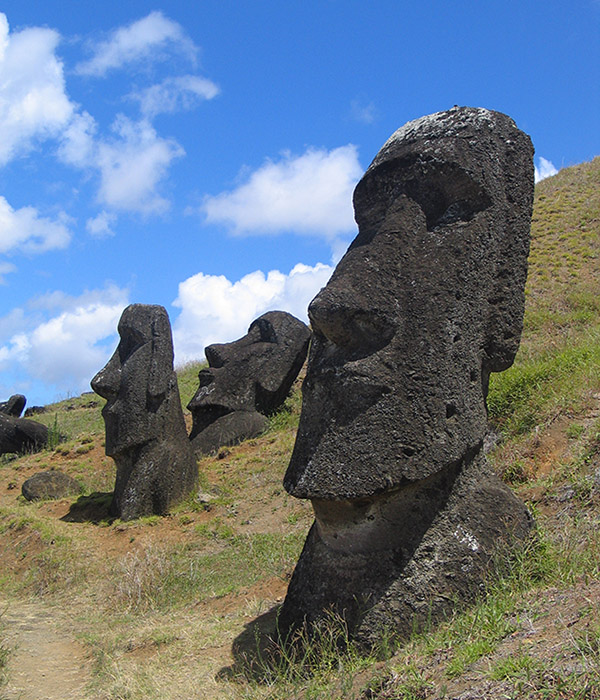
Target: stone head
[
  {"x": 137, "y": 379},
  {"x": 426, "y": 302},
  {"x": 254, "y": 373}
]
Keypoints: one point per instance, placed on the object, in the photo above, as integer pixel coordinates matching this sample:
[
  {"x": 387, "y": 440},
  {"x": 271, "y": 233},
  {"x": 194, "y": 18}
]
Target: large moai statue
[
  {"x": 145, "y": 428},
  {"x": 247, "y": 380},
  {"x": 426, "y": 303}
]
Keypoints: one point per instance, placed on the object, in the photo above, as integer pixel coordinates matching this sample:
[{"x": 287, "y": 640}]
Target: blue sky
[{"x": 202, "y": 155}]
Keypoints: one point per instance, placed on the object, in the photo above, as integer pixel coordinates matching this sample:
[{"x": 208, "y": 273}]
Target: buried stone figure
[
  {"x": 246, "y": 381},
  {"x": 425, "y": 304},
  {"x": 145, "y": 428}
]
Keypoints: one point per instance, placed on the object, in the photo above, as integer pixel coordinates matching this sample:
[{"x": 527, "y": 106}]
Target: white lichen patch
[{"x": 466, "y": 538}]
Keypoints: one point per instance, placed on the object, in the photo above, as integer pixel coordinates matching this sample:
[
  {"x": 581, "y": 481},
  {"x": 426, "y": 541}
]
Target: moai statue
[
  {"x": 247, "y": 380},
  {"x": 14, "y": 406},
  {"x": 145, "y": 428},
  {"x": 19, "y": 435},
  {"x": 425, "y": 304}
]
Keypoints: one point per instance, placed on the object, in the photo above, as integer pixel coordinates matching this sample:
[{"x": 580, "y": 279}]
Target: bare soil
[{"x": 46, "y": 662}]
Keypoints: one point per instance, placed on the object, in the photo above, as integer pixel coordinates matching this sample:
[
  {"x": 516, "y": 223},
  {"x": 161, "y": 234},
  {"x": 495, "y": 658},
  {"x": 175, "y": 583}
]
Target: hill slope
[{"x": 153, "y": 606}]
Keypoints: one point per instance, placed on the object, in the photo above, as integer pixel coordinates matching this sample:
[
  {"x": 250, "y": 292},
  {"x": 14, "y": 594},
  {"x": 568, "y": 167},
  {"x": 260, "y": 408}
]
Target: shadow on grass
[
  {"x": 256, "y": 652},
  {"x": 91, "y": 509}
]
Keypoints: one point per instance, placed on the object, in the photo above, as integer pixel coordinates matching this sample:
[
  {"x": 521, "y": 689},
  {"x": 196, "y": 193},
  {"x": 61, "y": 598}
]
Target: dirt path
[{"x": 45, "y": 663}]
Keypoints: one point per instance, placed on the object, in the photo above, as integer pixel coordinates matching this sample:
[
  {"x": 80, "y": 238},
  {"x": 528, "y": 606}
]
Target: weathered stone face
[
  {"x": 145, "y": 429},
  {"x": 247, "y": 380},
  {"x": 427, "y": 301}
]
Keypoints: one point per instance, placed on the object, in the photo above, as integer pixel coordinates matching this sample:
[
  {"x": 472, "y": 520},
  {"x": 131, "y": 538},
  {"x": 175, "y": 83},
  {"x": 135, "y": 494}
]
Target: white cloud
[
  {"x": 101, "y": 226},
  {"x": 33, "y": 101},
  {"x": 308, "y": 194},
  {"x": 25, "y": 229},
  {"x": 78, "y": 146},
  {"x": 544, "y": 169},
  {"x": 34, "y": 106},
  {"x": 214, "y": 309},
  {"x": 146, "y": 39},
  {"x": 175, "y": 94},
  {"x": 65, "y": 350},
  {"x": 132, "y": 165},
  {"x": 5, "y": 269}
]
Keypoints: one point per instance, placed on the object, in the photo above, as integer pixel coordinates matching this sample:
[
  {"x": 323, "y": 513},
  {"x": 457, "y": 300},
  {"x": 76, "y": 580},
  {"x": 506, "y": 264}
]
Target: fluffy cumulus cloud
[
  {"x": 544, "y": 169},
  {"x": 146, "y": 39},
  {"x": 33, "y": 102},
  {"x": 307, "y": 194},
  {"x": 132, "y": 164},
  {"x": 175, "y": 94},
  {"x": 214, "y": 309},
  {"x": 25, "y": 229},
  {"x": 59, "y": 342}
]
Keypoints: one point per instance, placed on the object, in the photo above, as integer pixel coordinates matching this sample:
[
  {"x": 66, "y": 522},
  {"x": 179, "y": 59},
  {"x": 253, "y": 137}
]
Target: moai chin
[
  {"x": 425, "y": 304},
  {"x": 145, "y": 428}
]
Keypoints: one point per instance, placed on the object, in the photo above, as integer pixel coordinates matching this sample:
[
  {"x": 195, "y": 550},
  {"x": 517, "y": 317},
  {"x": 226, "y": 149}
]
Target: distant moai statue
[
  {"x": 14, "y": 406},
  {"x": 145, "y": 428},
  {"x": 19, "y": 435},
  {"x": 425, "y": 304},
  {"x": 247, "y": 380}
]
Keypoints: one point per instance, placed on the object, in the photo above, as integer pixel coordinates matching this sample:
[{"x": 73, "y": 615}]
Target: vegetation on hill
[{"x": 180, "y": 607}]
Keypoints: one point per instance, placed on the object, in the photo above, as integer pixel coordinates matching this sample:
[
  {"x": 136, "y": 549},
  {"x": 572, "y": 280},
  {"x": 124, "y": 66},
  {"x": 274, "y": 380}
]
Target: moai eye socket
[
  {"x": 349, "y": 327},
  {"x": 445, "y": 192}
]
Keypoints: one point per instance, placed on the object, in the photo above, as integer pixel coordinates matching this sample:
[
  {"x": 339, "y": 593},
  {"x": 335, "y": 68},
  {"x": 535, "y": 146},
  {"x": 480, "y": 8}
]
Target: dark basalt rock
[
  {"x": 247, "y": 380},
  {"x": 51, "y": 484},
  {"x": 427, "y": 301},
  {"x": 145, "y": 428},
  {"x": 229, "y": 429},
  {"x": 14, "y": 406},
  {"x": 33, "y": 410},
  {"x": 21, "y": 435}
]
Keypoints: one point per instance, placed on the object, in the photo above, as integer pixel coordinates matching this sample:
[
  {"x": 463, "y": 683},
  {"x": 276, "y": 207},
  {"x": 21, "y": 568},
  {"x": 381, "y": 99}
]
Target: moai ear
[
  {"x": 506, "y": 301},
  {"x": 161, "y": 361}
]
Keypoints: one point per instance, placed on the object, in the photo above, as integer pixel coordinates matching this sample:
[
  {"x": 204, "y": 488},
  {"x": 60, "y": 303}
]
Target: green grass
[
  {"x": 541, "y": 384},
  {"x": 156, "y": 613},
  {"x": 187, "y": 378}
]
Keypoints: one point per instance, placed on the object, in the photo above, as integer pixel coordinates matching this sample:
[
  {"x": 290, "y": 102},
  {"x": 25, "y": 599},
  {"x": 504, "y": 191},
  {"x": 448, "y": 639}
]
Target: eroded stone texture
[
  {"x": 247, "y": 380},
  {"x": 51, "y": 484},
  {"x": 21, "y": 435},
  {"x": 427, "y": 301},
  {"x": 145, "y": 428},
  {"x": 14, "y": 406}
]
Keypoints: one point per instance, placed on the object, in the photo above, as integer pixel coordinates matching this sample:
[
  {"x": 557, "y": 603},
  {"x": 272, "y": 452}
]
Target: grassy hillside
[{"x": 176, "y": 607}]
